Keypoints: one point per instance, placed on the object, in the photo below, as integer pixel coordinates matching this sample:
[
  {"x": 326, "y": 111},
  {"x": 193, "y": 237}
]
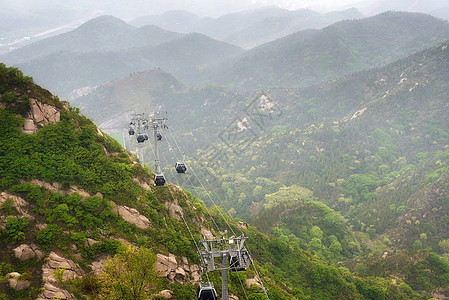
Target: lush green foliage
[{"x": 130, "y": 275}]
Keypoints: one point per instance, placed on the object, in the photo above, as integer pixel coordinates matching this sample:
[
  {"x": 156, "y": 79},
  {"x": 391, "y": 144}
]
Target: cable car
[
  {"x": 131, "y": 131},
  {"x": 239, "y": 263},
  {"x": 146, "y": 137},
  {"x": 140, "y": 138},
  {"x": 159, "y": 136},
  {"x": 159, "y": 179},
  {"x": 206, "y": 291},
  {"x": 180, "y": 167}
]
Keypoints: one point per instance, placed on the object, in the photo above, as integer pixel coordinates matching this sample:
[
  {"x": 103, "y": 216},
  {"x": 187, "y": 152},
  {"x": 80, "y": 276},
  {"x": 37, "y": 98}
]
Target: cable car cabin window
[
  {"x": 180, "y": 167},
  {"x": 159, "y": 180},
  {"x": 140, "y": 138},
  {"x": 131, "y": 131}
]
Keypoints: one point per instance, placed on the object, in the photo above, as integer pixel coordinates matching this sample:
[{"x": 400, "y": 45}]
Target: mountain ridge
[{"x": 341, "y": 48}]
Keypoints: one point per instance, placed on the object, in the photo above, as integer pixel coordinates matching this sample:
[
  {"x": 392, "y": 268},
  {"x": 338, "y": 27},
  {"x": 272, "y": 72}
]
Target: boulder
[
  {"x": 55, "y": 262},
  {"x": 166, "y": 294},
  {"x": 25, "y": 252},
  {"x": 15, "y": 283}
]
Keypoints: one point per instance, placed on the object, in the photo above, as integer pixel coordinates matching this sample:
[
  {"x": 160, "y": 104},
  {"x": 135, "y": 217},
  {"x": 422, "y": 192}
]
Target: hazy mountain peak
[{"x": 106, "y": 22}]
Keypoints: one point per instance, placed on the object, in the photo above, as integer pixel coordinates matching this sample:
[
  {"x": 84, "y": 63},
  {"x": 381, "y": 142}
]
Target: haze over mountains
[
  {"x": 249, "y": 28},
  {"x": 107, "y": 48}
]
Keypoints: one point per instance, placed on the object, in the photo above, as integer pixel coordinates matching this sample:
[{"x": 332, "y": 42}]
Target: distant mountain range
[
  {"x": 106, "y": 48},
  {"x": 249, "y": 28},
  {"x": 344, "y": 47},
  {"x": 104, "y": 33}
]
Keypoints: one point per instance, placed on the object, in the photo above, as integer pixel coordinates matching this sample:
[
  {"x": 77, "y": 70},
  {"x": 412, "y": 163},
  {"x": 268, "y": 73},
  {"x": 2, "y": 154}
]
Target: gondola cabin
[
  {"x": 239, "y": 262},
  {"x": 146, "y": 137},
  {"x": 180, "y": 167},
  {"x": 206, "y": 291},
  {"x": 131, "y": 131},
  {"x": 159, "y": 179},
  {"x": 140, "y": 138},
  {"x": 159, "y": 136}
]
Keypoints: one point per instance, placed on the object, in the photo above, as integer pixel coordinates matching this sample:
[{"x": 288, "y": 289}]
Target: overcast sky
[{"x": 320, "y": 5}]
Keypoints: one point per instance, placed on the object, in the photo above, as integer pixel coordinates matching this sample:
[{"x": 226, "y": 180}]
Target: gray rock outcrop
[
  {"x": 55, "y": 262},
  {"x": 25, "y": 252},
  {"x": 53, "y": 292},
  {"x": 177, "y": 272},
  {"x": 39, "y": 115},
  {"x": 16, "y": 283},
  {"x": 132, "y": 216}
]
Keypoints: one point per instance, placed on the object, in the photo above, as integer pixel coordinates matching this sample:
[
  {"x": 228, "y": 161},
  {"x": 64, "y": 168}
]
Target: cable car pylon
[
  {"x": 234, "y": 257},
  {"x": 142, "y": 123}
]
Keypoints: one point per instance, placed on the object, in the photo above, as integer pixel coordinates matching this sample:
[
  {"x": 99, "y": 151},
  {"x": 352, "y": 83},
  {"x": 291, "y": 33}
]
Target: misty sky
[{"x": 319, "y": 5}]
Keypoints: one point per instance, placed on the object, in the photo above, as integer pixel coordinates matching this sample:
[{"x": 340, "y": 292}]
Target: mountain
[
  {"x": 124, "y": 95},
  {"x": 247, "y": 29},
  {"x": 190, "y": 58},
  {"x": 79, "y": 216},
  {"x": 436, "y": 8},
  {"x": 342, "y": 48},
  {"x": 364, "y": 158},
  {"x": 105, "y": 33}
]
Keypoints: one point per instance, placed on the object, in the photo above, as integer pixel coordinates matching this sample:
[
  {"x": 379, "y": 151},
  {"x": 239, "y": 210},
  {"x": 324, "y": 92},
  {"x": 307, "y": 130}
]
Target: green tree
[
  {"x": 316, "y": 232},
  {"x": 285, "y": 194},
  {"x": 335, "y": 248},
  {"x": 130, "y": 274}
]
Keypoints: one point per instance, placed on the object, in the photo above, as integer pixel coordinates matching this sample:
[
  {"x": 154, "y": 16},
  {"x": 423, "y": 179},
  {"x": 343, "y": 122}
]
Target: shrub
[{"x": 48, "y": 235}]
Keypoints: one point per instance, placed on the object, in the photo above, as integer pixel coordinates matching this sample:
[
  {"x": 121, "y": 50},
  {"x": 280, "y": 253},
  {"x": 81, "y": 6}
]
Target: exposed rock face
[
  {"x": 131, "y": 215},
  {"x": 55, "y": 262},
  {"x": 175, "y": 210},
  {"x": 19, "y": 204},
  {"x": 143, "y": 184},
  {"x": 98, "y": 265},
  {"x": 206, "y": 233},
  {"x": 52, "y": 292},
  {"x": 251, "y": 281},
  {"x": 25, "y": 252},
  {"x": 71, "y": 270},
  {"x": 57, "y": 187},
  {"x": 16, "y": 283},
  {"x": 242, "y": 225},
  {"x": 182, "y": 272},
  {"x": 166, "y": 294},
  {"x": 39, "y": 115}
]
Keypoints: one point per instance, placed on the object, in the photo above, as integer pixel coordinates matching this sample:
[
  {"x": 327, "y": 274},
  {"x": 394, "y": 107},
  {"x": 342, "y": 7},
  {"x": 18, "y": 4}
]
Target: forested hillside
[
  {"x": 364, "y": 155},
  {"x": 341, "y": 48},
  {"x": 67, "y": 191}
]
